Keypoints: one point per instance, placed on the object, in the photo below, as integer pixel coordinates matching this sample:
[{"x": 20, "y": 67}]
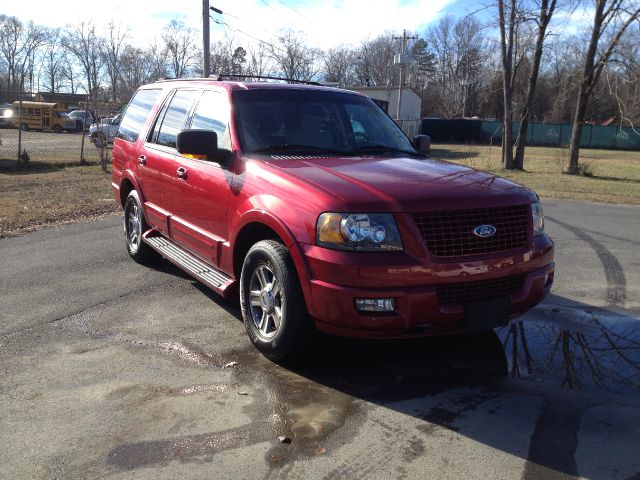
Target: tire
[
  {"x": 135, "y": 224},
  {"x": 273, "y": 308},
  {"x": 57, "y": 128},
  {"x": 24, "y": 127}
]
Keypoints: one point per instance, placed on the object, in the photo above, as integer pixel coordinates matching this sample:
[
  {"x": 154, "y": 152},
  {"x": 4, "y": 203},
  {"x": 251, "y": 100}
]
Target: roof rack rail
[{"x": 223, "y": 76}]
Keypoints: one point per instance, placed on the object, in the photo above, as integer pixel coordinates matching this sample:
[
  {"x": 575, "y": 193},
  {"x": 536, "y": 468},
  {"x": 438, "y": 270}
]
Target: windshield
[{"x": 315, "y": 121}]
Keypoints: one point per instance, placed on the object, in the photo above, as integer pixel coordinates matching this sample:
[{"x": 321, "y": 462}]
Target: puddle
[{"x": 576, "y": 348}]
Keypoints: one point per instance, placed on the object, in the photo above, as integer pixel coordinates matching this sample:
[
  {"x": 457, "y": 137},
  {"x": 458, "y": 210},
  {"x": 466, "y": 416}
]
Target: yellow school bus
[{"x": 41, "y": 116}]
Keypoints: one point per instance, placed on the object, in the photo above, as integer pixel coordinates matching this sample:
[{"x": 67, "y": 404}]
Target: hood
[{"x": 403, "y": 183}]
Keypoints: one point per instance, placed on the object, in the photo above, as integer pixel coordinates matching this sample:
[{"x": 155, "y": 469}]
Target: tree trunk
[
  {"x": 576, "y": 131},
  {"x": 506, "y": 49},
  {"x": 585, "y": 86},
  {"x": 546, "y": 12}
]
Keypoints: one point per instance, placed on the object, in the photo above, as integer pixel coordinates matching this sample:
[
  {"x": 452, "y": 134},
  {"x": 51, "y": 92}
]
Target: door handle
[
  {"x": 181, "y": 172},
  {"x": 142, "y": 160}
]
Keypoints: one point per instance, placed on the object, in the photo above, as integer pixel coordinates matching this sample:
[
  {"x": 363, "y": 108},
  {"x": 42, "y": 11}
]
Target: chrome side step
[{"x": 191, "y": 264}]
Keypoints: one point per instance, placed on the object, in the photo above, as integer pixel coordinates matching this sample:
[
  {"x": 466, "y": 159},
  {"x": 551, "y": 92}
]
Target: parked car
[
  {"x": 266, "y": 191},
  {"x": 82, "y": 118},
  {"x": 102, "y": 134},
  {"x": 6, "y": 113}
]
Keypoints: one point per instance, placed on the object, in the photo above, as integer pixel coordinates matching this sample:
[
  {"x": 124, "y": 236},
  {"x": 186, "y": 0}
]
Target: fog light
[{"x": 375, "y": 305}]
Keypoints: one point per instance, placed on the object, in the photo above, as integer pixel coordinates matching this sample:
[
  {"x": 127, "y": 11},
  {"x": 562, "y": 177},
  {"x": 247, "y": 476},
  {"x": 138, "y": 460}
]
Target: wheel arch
[{"x": 259, "y": 225}]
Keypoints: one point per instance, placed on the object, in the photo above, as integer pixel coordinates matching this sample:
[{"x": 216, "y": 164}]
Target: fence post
[
  {"x": 19, "y": 126},
  {"x": 86, "y": 111}
]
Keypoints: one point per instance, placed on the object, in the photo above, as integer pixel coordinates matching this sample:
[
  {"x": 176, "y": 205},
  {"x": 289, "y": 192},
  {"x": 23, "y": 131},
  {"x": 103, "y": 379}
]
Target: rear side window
[
  {"x": 168, "y": 126},
  {"x": 136, "y": 114}
]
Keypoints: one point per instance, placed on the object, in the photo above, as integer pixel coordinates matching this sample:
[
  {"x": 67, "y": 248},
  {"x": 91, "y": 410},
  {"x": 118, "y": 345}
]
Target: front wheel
[
  {"x": 273, "y": 308},
  {"x": 135, "y": 225}
]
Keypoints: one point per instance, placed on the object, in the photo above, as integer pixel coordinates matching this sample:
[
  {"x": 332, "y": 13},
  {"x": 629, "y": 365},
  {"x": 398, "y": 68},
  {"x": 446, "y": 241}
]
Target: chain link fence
[{"x": 54, "y": 129}]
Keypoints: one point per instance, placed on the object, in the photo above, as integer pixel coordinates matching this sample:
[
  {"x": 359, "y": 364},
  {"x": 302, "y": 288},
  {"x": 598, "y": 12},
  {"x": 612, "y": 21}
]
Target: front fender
[{"x": 279, "y": 226}]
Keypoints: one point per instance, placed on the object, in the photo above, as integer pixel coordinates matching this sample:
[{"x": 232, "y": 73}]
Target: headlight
[
  {"x": 537, "y": 218},
  {"x": 358, "y": 231},
  {"x": 8, "y": 113}
]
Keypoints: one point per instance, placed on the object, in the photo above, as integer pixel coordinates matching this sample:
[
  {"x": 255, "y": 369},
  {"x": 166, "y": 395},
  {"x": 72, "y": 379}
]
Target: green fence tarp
[{"x": 544, "y": 134}]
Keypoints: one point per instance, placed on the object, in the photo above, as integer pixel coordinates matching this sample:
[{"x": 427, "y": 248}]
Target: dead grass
[
  {"x": 47, "y": 195},
  {"x": 616, "y": 174},
  {"x": 54, "y": 193}
]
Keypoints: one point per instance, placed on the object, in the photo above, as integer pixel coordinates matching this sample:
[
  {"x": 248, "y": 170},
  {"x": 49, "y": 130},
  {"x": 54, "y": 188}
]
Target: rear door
[
  {"x": 157, "y": 169},
  {"x": 200, "y": 221}
]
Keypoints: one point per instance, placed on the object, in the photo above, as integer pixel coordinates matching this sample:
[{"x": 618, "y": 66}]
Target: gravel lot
[{"x": 113, "y": 370}]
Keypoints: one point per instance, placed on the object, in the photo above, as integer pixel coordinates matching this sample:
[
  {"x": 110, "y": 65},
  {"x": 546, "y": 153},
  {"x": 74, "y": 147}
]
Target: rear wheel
[
  {"x": 57, "y": 128},
  {"x": 134, "y": 227},
  {"x": 272, "y": 304},
  {"x": 24, "y": 127}
]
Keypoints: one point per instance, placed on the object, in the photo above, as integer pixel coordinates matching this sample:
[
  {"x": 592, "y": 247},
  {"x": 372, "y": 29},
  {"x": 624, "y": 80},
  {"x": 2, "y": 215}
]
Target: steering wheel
[{"x": 358, "y": 137}]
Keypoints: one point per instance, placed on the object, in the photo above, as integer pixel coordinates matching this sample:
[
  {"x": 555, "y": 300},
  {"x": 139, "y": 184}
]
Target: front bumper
[{"x": 340, "y": 277}]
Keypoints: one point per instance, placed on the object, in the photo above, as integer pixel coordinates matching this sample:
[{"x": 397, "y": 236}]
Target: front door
[
  {"x": 200, "y": 221},
  {"x": 157, "y": 167}
]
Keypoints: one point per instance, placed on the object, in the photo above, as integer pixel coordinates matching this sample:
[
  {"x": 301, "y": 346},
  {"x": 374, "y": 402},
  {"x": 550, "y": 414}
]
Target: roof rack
[
  {"x": 223, "y": 76},
  {"x": 220, "y": 77}
]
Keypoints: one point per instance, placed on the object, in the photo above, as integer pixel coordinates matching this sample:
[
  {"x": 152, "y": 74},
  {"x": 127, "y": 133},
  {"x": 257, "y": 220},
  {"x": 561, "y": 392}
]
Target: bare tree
[
  {"x": 181, "y": 48},
  {"x": 139, "y": 66},
  {"x": 222, "y": 56},
  {"x": 611, "y": 19},
  {"x": 295, "y": 59},
  {"x": 545, "y": 12},
  {"x": 18, "y": 44},
  {"x": 507, "y": 25},
  {"x": 259, "y": 62},
  {"x": 458, "y": 59},
  {"x": 338, "y": 65},
  {"x": 53, "y": 57},
  {"x": 623, "y": 81},
  {"x": 375, "y": 64},
  {"x": 83, "y": 44},
  {"x": 111, "y": 52}
]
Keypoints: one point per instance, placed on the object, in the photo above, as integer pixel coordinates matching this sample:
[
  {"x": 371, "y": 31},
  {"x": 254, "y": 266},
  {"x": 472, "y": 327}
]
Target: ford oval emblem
[{"x": 484, "y": 231}]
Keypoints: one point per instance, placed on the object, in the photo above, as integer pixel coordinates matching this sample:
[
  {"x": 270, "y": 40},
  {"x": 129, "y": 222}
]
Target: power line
[
  {"x": 225, "y": 24},
  {"x": 294, "y": 10},
  {"x": 249, "y": 23}
]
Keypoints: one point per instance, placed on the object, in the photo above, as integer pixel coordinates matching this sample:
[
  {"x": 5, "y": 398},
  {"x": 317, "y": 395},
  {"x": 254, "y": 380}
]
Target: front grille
[
  {"x": 449, "y": 233},
  {"x": 461, "y": 293}
]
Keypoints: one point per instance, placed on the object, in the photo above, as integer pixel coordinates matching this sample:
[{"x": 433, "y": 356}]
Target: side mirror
[
  {"x": 203, "y": 143},
  {"x": 422, "y": 143}
]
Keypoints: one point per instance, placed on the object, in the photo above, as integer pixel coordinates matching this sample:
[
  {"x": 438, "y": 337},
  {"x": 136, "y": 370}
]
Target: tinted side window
[
  {"x": 212, "y": 113},
  {"x": 136, "y": 114},
  {"x": 175, "y": 117}
]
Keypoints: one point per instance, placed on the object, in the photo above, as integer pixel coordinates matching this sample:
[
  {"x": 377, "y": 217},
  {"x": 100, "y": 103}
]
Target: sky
[{"x": 325, "y": 23}]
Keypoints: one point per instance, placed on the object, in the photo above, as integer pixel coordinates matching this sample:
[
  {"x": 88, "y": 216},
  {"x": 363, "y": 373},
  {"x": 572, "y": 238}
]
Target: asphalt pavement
[{"x": 109, "y": 369}]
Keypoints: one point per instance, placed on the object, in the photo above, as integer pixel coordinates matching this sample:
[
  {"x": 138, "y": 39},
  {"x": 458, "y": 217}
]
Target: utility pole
[
  {"x": 400, "y": 62},
  {"x": 205, "y": 38}
]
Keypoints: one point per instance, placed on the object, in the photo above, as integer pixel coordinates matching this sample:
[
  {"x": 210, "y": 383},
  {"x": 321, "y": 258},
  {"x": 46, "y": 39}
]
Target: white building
[{"x": 387, "y": 98}]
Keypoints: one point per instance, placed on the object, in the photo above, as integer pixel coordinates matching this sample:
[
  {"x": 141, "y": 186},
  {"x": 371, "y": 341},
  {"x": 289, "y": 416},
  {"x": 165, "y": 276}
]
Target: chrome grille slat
[{"x": 449, "y": 233}]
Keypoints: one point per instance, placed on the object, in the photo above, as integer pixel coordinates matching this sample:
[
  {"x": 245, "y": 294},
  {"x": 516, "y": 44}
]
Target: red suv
[{"x": 314, "y": 206}]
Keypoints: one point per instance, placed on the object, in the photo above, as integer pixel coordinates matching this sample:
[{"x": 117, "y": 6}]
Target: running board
[{"x": 195, "y": 267}]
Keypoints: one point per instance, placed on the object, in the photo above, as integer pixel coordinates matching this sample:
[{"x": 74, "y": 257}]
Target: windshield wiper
[
  {"x": 290, "y": 147},
  {"x": 378, "y": 149}
]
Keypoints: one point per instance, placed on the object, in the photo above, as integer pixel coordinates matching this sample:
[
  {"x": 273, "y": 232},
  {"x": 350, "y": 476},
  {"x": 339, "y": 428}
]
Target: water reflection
[{"x": 575, "y": 347}]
